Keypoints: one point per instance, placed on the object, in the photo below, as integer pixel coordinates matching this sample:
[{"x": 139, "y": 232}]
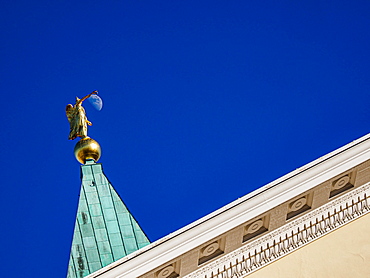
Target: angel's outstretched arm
[{"x": 86, "y": 97}]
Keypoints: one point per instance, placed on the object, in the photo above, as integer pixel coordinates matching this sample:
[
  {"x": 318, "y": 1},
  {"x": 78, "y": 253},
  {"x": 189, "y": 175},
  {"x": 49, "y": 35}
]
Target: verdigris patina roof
[{"x": 105, "y": 230}]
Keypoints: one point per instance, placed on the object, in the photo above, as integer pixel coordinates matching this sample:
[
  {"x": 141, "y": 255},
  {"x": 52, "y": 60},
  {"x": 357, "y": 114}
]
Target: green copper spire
[{"x": 105, "y": 230}]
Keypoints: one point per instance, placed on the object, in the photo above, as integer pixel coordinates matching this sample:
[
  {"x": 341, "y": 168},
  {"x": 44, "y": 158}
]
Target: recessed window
[
  {"x": 299, "y": 206},
  {"x": 255, "y": 228},
  {"x": 168, "y": 272},
  {"x": 211, "y": 250},
  {"x": 340, "y": 185}
]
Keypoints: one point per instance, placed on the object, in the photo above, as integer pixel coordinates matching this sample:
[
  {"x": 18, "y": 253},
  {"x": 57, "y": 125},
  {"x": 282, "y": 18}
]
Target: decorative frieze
[
  {"x": 299, "y": 205},
  {"x": 295, "y": 234},
  {"x": 169, "y": 271},
  {"x": 211, "y": 250},
  {"x": 342, "y": 184},
  {"x": 256, "y": 228}
]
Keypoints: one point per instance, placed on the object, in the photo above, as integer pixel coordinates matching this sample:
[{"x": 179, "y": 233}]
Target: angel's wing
[{"x": 69, "y": 112}]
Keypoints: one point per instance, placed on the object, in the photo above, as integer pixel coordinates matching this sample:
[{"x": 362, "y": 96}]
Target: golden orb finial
[{"x": 87, "y": 148}]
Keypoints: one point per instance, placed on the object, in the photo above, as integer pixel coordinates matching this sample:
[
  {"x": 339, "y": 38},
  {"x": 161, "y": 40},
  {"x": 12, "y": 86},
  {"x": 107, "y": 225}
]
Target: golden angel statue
[{"x": 76, "y": 116}]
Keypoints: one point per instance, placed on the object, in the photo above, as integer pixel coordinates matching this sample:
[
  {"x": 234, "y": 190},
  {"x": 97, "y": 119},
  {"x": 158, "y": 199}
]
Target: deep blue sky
[{"x": 204, "y": 101}]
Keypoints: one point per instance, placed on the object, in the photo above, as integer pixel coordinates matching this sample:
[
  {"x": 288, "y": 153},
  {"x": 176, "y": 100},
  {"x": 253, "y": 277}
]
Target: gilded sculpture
[
  {"x": 76, "y": 116},
  {"x": 86, "y": 149}
]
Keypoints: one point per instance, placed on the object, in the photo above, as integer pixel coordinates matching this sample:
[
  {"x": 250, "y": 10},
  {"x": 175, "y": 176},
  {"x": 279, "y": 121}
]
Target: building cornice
[
  {"x": 240, "y": 211},
  {"x": 289, "y": 237}
]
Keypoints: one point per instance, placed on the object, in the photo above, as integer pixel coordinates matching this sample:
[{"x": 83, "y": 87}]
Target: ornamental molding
[{"x": 290, "y": 237}]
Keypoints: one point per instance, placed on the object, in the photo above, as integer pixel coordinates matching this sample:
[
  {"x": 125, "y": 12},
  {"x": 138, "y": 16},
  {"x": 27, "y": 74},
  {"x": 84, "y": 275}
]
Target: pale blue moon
[{"x": 96, "y": 102}]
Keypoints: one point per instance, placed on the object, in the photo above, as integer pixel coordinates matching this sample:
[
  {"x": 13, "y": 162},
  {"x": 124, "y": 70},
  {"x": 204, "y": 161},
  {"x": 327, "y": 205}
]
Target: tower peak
[{"x": 105, "y": 230}]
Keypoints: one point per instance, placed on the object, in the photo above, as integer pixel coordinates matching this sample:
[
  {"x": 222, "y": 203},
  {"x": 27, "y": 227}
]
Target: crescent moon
[{"x": 96, "y": 102}]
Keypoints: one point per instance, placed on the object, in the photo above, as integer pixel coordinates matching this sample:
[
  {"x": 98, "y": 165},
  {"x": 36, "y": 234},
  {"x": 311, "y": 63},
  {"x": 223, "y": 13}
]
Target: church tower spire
[{"x": 105, "y": 230}]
